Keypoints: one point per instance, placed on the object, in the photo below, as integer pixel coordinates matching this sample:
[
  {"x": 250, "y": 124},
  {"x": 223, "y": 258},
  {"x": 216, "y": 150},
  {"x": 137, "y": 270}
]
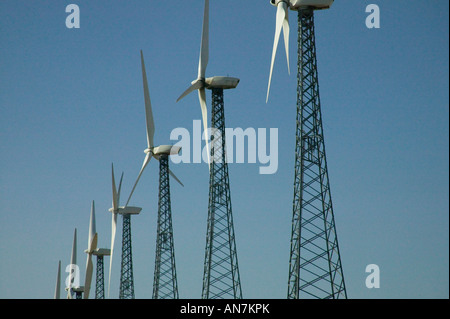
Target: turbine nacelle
[
  {"x": 296, "y": 4},
  {"x": 221, "y": 82},
  {"x": 166, "y": 150},
  {"x": 75, "y": 289},
  {"x": 126, "y": 210},
  {"x": 102, "y": 252},
  {"x": 99, "y": 252},
  {"x": 163, "y": 150}
]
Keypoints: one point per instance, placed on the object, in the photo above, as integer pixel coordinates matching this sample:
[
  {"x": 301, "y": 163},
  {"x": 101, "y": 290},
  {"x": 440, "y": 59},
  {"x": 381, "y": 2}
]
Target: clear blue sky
[{"x": 71, "y": 102}]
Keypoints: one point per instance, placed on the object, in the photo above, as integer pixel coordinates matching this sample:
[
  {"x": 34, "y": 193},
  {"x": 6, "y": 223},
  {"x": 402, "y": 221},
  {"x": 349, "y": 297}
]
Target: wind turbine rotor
[
  {"x": 282, "y": 23},
  {"x": 150, "y": 126},
  {"x": 199, "y": 83}
]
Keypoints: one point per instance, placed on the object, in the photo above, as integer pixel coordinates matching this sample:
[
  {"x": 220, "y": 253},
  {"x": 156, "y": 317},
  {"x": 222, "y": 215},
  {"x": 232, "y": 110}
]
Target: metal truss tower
[
  {"x": 221, "y": 272},
  {"x": 100, "y": 272},
  {"x": 126, "y": 269},
  {"x": 315, "y": 269},
  {"x": 100, "y": 279},
  {"x": 165, "y": 278}
]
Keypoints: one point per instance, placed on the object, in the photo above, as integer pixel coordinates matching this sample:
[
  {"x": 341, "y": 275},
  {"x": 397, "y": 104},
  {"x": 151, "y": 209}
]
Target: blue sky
[{"x": 71, "y": 103}]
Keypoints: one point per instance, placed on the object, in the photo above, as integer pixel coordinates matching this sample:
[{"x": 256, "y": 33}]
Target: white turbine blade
[
  {"x": 113, "y": 237},
  {"x": 58, "y": 282},
  {"x": 92, "y": 242},
  {"x": 118, "y": 191},
  {"x": 280, "y": 21},
  {"x": 115, "y": 202},
  {"x": 147, "y": 159},
  {"x": 202, "y": 99},
  {"x": 88, "y": 278},
  {"x": 73, "y": 259},
  {"x": 197, "y": 84},
  {"x": 176, "y": 178},
  {"x": 204, "y": 46},
  {"x": 286, "y": 37},
  {"x": 148, "y": 107}
]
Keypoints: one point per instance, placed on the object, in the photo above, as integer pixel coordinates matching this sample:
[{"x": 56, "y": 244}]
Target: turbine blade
[
  {"x": 92, "y": 242},
  {"x": 115, "y": 202},
  {"x": 197, "y": 84},
  {"x": 148, "y": 107},
  {"x": 204, "y": 46},
  {"x": 280, "y": 17},
  {"x": 58, "y": 282},
  {"x": 286, "y": 37},
  {"x": 73, "y": 259},
  {"x": 202, "y": 99},
  {"x": 118, "y": 191},
  {"x": 176, "y": 178},
  {"x": 88, "y": 279},
  {"x": 147, "y": 159},
  {"x": 113, "y": 237}
]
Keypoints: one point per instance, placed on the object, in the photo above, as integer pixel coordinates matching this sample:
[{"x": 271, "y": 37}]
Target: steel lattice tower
[
  {"x": 126, "y": 269},
  {"x": 221, "y": 272},
  {"x": 315, "y": 269},
  {"x": 100, "y": 279},
  {"x": 165, "y": 278}
]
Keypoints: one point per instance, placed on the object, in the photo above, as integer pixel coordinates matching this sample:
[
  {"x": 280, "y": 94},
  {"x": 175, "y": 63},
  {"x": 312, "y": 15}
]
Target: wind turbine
[
  {"x": 202, "y": 83},
  {"x": 165, "y": 279},
  {"x": 221, "y": 272},
  {"x": 127, "y": 285},
  {"x": 100, "y": 253},
  {"x": 315, "y": 268}
]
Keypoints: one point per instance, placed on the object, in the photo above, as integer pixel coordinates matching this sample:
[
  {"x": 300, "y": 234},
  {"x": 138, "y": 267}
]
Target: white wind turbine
[
  {"x": 116, "y": 209},
  {"x": 201, "y": 82},
  {"x": 152, "y": 150}
]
